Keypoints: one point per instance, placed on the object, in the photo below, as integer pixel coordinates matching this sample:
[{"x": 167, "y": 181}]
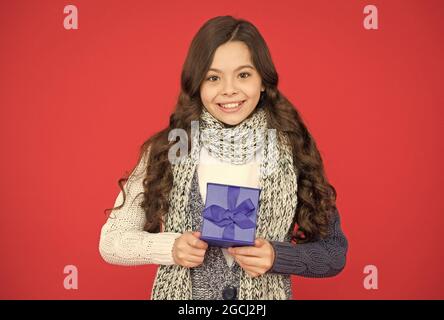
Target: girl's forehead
[{"x": 230, "y": 56}]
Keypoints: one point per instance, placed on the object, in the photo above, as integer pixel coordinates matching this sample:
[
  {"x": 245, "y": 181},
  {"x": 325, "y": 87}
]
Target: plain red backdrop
[{"x": 77, "y": 104}]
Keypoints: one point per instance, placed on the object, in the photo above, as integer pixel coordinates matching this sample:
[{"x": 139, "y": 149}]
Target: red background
[{"x": 76, "y": 105}]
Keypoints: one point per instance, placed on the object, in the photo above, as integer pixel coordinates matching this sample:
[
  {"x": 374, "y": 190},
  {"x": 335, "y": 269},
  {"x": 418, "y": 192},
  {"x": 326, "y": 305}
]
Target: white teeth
[{"x": 230, "y": 105}]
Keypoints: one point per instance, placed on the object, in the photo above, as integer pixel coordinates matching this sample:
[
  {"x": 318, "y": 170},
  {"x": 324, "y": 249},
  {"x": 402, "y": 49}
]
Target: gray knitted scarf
[{"x": 277, "y": 203}]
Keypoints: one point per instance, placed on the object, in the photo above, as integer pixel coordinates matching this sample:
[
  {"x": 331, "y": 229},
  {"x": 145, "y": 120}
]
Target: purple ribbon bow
[{"x": 233, "y": 215}]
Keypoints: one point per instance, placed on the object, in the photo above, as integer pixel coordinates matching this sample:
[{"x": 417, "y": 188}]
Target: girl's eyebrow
[{"x": 238, "y": 68}]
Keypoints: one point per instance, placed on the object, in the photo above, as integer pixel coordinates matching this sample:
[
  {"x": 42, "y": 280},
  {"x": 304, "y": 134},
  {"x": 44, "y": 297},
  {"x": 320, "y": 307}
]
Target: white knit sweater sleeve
[{"x": 123, "y": 240}]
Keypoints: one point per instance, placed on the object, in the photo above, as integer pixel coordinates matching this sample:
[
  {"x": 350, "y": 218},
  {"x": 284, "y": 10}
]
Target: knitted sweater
[{"x": 123, "y": 241}]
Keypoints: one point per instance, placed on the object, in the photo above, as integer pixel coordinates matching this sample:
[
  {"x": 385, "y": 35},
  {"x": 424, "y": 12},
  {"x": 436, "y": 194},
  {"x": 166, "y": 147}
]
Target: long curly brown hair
[{"x": 316, "y": 197}]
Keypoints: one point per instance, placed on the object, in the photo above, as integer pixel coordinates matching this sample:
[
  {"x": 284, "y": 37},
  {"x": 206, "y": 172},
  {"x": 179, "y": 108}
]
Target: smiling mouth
[{"x": 233, "y": 106}]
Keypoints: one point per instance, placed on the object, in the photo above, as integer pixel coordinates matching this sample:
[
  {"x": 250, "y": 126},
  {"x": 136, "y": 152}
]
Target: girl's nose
[
  {"x": 230, "y": 93},
  {"x": 229, "y": 89}
]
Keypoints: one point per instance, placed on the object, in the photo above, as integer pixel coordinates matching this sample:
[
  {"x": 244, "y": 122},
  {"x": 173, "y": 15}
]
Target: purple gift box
[{"x": 229, "y": 217}]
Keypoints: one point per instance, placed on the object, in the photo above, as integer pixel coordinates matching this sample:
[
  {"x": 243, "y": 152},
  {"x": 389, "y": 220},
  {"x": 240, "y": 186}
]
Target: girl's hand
[
  {"x": 254, "y": 260},
  {"x": 189, "y": 250}
]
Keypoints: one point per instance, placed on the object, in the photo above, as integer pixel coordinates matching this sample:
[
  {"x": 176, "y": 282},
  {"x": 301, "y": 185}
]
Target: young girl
[{"x": 228, "y": 85}]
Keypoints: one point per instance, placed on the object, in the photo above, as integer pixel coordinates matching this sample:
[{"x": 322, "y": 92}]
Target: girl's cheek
[
  {"x": 208, "y": 94},
  {"x": 252, "y": 89}
]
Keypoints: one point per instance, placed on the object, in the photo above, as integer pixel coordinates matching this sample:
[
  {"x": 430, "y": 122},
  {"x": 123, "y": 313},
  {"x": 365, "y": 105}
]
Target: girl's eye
[
  {"x": 211, "y": 78},
  {"x": 246, "y": 75}
]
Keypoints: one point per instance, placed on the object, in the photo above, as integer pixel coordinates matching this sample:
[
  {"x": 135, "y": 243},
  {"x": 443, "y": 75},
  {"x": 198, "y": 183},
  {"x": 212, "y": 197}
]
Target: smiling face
[{"x": 232, "y": 86}]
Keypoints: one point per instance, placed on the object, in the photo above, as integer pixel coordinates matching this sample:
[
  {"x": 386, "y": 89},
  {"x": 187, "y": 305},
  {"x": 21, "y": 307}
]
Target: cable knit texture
[
  {"x": 122, "y": 239},
  {"x": 318, "y": 259}
]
